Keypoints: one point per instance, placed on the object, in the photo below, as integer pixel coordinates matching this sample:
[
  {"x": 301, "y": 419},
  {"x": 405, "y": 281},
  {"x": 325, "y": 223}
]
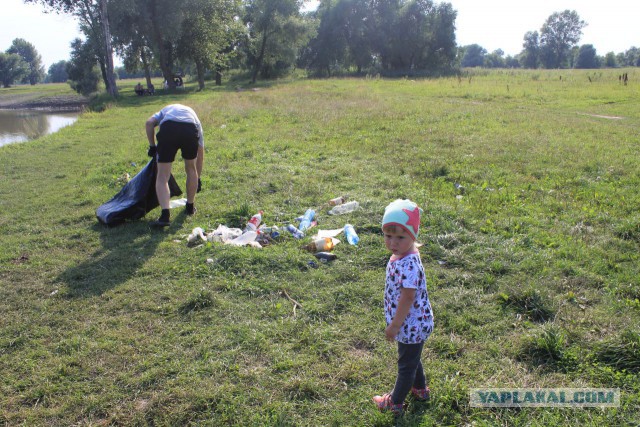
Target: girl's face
[{"x": 399, "y": 241}]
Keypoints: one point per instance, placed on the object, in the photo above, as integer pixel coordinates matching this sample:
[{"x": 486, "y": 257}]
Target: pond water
[{"x": 25, "y": 125}]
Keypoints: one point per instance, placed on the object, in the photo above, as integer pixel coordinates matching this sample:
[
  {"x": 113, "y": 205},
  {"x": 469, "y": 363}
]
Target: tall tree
[
  {"x": 58, "y": 72},
  {"x": 530, "y": 56},
  {"x": 82, "y": 69},
  {"x": 130, "y": 32},
  {"x": 587, "y": 57},
  {"x": 610, "y": 60},
  {"x": 208, "y": 35},
  {"x": 474, "y": 55},
  {"x": 30, "y": 55},
  {"x": 495, "y": 59},
  {"x": 559, "y": 34},
  {"x": 12, "y": 68},
  {"x": 276, "y": 32},
  {"x": 94, "y": 22}
]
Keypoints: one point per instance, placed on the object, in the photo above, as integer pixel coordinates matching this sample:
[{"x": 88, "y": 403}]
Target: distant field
[{"x": 529, "y": 181}]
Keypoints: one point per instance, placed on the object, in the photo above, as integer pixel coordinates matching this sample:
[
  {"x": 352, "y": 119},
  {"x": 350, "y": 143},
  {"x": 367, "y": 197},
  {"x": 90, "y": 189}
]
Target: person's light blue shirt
[{"x": 182, "y": 114}]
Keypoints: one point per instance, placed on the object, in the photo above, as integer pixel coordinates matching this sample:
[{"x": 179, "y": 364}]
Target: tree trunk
[
  {"x": 145, "y": 66},
  {"x": 163, "y": 55},
  {"x": 111, "y": 78},
  {"x": 218, "y": 78},
  {"x": 260, "y": 57},
  {"x": 201, "y": 71}
]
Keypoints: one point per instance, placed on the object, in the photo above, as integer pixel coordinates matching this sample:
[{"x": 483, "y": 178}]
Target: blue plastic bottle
[
  {"x": 351, "y": 235},
  {"x": 306, "y": 220},
  {"x": 296, "y": 233}
]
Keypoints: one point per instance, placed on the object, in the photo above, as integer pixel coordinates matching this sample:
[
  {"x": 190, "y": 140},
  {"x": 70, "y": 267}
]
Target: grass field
[{"x": 532, "y": 259}]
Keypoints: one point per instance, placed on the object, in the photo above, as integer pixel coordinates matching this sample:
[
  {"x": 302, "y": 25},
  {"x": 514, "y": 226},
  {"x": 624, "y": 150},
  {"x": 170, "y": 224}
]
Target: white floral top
[{"x": 408, "y": 272}]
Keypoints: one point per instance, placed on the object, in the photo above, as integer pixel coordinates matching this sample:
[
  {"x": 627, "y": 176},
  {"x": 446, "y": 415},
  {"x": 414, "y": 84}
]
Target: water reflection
[{"x": 24, "y": 125}]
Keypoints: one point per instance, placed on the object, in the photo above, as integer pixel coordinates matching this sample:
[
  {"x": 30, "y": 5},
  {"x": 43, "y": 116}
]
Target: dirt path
[{"x": 36, "y": 100}]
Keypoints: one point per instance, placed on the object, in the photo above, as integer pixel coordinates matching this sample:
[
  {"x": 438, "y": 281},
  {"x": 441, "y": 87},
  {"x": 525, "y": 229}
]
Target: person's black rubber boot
[
  {"x": 190, "y": 209},
  {"x": 163, "y": 221},
  {"x": 199, "y": 186}
]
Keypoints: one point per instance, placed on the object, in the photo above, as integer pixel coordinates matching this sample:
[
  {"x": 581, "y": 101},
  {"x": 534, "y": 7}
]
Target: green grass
[{"x": 532, "y": 266}]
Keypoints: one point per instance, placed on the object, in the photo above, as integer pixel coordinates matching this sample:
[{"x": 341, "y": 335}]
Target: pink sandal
[
  {"x": 421, "y": 394},
  {"x": 384, "y": 403}
]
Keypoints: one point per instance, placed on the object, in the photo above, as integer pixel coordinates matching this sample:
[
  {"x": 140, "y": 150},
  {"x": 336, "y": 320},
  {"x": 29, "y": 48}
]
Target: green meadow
[{"x": 530, "y": 185}]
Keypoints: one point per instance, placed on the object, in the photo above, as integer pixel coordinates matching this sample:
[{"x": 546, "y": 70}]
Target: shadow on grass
[{"x": 124, "y": 250}]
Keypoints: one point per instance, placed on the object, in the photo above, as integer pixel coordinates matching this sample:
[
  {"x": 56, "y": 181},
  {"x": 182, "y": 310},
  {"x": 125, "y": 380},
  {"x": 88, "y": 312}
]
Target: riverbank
[{"x": 35, "y": 100}]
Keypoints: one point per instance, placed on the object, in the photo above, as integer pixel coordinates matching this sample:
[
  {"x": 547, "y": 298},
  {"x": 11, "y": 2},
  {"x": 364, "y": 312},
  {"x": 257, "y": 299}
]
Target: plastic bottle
[
  {"x": 343, "y": 209},
  {"x": 244, "y": 239},
  {"x": 272, "y": 231},
  {"x": 306, "y": 220},
  {"x": 293, "y": 230},
  {"x": 254, "y": 222},
  {"x": 337, "y": 201},
  {"x": 350, "y": 234},
  {"x": 320, "y": 245}
]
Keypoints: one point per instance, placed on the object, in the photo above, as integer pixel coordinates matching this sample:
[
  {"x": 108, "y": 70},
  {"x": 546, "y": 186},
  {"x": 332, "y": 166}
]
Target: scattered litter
[
  {"x": 441, "y": 262},
  {"x": 223, "y": 234},
  {"x": 344, "y": 208},
  {"x": 177, "y": 203},
  {"x": 459, "y": 197},
  {"x": 328, "y": 233},
  {"x": 294, "y": 231},
  {"x": 244, "y": 239},
  {"x": 350, "y": 234},
  {"x": 325, "y": 256},
  {"x": 307, "y": 218},
  {"x": 337, "y": 201},
  {"x": 254, "y": 222},
  {"x": 123, "y": 179},
  {"x": 196, "y": 236},
  {"x": 54, "y": 292},
  {"x": 323, "y": 244},
  {"x": 258, "y": 234}
]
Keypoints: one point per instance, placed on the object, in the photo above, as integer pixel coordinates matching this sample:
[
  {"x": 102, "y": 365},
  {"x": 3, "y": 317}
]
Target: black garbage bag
[{"x": 136, "y": 198}]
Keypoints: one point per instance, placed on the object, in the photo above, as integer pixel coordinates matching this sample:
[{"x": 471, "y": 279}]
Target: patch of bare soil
[
  {"x": 34, "y": 100},
  {"x": 603, "y": 117}
]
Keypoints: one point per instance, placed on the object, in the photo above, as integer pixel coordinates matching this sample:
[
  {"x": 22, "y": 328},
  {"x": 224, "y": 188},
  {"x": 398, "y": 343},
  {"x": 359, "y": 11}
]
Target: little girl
[{"x": 406, "y": 304}]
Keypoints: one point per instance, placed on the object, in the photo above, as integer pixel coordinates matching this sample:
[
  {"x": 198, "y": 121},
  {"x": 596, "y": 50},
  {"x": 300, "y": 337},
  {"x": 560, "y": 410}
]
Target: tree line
[{"x": 269, "y": 38}]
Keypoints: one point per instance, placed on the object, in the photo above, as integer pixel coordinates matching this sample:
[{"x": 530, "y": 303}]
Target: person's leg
[
  {"x": 162, "y": 192},
  {"x": 192, "y": 180},
  {"x": 162, "y": 184},
  {"x": 200, "y": 160},
  {"x": 420, "y": 382},
  {"x": 408, "y": 362},
  {"x": 199, "y": 164}
]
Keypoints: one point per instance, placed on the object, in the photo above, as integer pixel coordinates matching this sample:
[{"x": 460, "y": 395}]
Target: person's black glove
[{"x": 153, "y": 149}]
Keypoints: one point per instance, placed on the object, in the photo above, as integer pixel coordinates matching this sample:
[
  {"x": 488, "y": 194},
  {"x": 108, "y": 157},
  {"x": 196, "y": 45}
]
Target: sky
[{"x": 493, "y": 24}]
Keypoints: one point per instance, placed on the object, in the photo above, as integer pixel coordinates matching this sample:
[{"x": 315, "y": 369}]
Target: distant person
[
  {"x": 139, "y": 89},
  {"x": 180, "y": 129},
  {"x": 151, "y": 89},
  {"x": 407, "y": 307}
]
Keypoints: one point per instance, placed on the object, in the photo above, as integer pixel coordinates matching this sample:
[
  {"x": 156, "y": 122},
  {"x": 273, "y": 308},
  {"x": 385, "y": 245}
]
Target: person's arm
[
  {"x": 150, "y": 126},
  {"x": 407, "y": 296}
]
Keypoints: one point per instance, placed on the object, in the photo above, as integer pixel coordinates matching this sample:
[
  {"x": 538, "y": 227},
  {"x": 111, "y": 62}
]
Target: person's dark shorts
[{"x": 174, "y": 136}]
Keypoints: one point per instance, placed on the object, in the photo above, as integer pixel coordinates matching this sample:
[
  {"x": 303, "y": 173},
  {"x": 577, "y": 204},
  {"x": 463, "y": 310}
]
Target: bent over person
[{"x": 180, "y": 129}]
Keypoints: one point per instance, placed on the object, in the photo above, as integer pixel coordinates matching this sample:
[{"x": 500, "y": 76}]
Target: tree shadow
[{"x": 123, "y": 251}]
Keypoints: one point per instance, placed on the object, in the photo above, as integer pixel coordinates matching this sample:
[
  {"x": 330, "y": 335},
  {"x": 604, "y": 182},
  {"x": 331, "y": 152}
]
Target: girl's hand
[{"x": 391, "y": 332}]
